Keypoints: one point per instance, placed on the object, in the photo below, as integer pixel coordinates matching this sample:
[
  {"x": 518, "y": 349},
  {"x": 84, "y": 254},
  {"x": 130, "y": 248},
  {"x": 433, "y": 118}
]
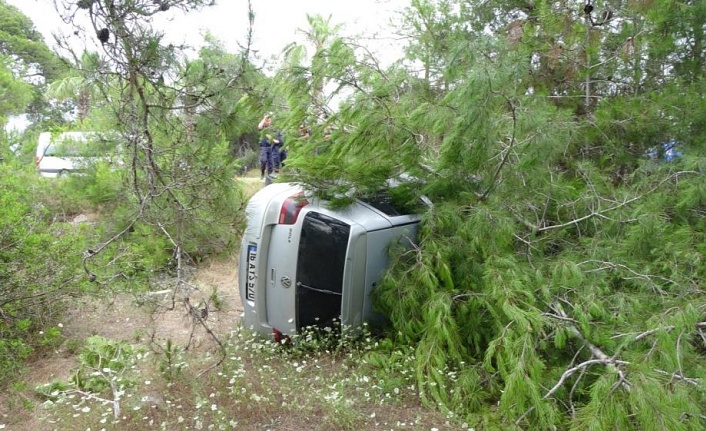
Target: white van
[
  {"x": 62, "y": 153},
  {"x": 303, "y": 264}
]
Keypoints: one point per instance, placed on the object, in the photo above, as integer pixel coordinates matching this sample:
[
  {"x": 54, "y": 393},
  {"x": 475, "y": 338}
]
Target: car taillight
[{"x": 291, "y": 208}]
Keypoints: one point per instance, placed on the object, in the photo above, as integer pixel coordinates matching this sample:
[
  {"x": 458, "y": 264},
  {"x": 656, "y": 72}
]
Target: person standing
[
  {"x": 266, "y": 141},
  {"x": 277, "y": 144}
]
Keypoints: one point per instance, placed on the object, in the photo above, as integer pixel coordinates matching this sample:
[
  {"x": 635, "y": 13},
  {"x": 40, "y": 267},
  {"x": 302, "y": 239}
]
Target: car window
[
  {"x": 84, "y": 146},
  {"x": 393, "y": 206},
  {"x": 322, "y": 252},
  {"x": 50, "y": 150},
  {"x": 322, "y": 256},
  {"x": 67, "y": 149}
]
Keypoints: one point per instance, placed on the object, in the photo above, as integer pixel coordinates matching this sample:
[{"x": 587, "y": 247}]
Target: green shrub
[
  {"x": 249, "y": 160},
  {"x": 40, "y": 266},
  {"x": 103, "y": 364},
  {"x": 101, "y": 185}
]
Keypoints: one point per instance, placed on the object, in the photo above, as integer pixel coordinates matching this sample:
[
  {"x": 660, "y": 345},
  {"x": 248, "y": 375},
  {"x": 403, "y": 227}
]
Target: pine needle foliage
[
  {"x": 175, "y": 119},
  {"x": 557, "y": 279}
]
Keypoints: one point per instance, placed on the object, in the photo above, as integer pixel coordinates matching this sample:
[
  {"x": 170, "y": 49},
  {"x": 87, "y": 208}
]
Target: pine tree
[{"x": 557, "y": 282}]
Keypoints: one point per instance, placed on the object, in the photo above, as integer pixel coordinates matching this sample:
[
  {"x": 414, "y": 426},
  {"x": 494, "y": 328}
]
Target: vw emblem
[{"x": 286, "y": 281}]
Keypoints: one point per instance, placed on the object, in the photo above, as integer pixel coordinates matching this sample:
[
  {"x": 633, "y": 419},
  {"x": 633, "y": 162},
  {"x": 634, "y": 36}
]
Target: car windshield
[
  {"x": 397, "y": 204},
  {"x": 81, "y": 146},
  {"x": 322, "y": 256}
]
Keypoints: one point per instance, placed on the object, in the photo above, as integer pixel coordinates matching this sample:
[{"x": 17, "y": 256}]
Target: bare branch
[
  {"x": 614, "y": 207},
  {"x": 641, "y": 335},
  {"x": 647, "y": 277},
  {"x": 508, "y": 150}
]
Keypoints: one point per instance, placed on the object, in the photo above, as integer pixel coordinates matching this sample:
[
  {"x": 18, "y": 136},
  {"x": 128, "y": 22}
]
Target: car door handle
[{"x": 272, "y": 277}]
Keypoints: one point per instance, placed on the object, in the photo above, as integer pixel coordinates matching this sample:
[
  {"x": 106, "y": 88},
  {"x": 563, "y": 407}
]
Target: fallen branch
[
  {"x": 158, "y": 292},
  {"x": 539, "y": 227},
  {"x": 568, "y": 373},
  {"x": 601, "y": 358},
  {"x": 89, "y": 395},
  {"x": 508, "y": 150},
  {"x": 641, "y": 335},
  {"x": 595, "y": 350},
  {"x": 605, "y": 265},
  {"x": 614, "y": 207}
]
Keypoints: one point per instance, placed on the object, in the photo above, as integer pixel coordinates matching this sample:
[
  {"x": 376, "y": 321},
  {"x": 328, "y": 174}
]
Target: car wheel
[{"x": 62, "y": 173}]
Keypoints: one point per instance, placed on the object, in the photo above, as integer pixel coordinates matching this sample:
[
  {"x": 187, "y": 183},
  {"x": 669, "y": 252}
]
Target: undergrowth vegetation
[
  {"x": 51, "y": 233},
  {"x": 557, "y": 281},
  {"x": 40, "y": 267},
  {"x": 319, "y": 380},
  {"x": 336, "y": 382}
]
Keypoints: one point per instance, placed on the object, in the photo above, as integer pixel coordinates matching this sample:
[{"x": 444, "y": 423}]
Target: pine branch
[
  {"x": 539, "y": 227},
  {"x": 646, "y": 277},
  {"x": 600, "y": 357},
  {"x": 89, "y": 395},
  {"x": 508, "y": 151},
  {"x": 90, "y": 253},
  {"x": 679, "y": 376},
  {"x": 615, "y": 207},
  {"x": 575, "y": 386},
  {"x": 699, "y": 326},
  {"x": 568, "y": 373}
]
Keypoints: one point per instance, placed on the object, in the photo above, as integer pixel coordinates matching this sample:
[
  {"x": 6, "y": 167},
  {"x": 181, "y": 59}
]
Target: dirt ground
[{"x": 135, "y": 319}]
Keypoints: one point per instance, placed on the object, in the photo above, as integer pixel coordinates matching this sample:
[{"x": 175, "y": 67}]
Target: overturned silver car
[{"x": 304, "y": 264}]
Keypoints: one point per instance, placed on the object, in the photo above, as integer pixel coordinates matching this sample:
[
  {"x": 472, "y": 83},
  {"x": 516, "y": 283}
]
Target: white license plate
[{"x": 252, "y": 273}]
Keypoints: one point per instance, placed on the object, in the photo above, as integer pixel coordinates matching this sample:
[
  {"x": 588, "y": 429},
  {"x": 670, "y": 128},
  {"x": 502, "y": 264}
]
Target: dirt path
[{"x": 165, "y": 316}]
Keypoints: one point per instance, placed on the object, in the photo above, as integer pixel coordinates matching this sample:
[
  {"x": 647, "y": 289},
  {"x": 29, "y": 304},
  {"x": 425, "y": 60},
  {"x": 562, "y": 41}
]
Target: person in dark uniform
[
  {"x": 277, "y": 145},
  {"x": 266, "y": 142}
]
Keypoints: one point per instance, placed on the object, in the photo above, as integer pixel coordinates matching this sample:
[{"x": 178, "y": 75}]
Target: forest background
[{"x": 557, "y": 282}]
